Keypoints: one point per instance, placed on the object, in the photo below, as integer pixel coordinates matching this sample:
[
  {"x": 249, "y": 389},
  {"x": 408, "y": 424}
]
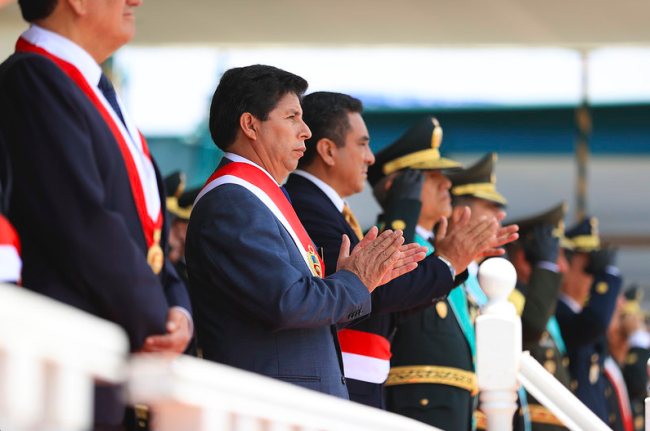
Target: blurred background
[{"x": 511, "y": 76}]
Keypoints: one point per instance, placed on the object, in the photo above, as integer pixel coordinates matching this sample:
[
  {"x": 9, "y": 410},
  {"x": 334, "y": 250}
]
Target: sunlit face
[
  {"x": 280, "y": 139},
  {"x": 481, "y": 207},
  {"x": 112, "y": 20},
  {"x": 436, "y": 201},
  {"x": 353, "y": 158}
]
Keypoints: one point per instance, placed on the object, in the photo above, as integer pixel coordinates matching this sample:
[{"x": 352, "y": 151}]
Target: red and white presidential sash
[
  {"x": 10, "y": 263},
  {"x": 267, "y": 190},
  {"x": 615, "y": 376},
  {"x": 366, "y": 356},
  {"x": 152, "y": 226}
]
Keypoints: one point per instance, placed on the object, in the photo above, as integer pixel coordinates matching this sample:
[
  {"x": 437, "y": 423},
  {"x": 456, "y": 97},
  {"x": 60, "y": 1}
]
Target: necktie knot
[
  {"x": 352, "y": 221},
  {"x": 109, "y": 93}
]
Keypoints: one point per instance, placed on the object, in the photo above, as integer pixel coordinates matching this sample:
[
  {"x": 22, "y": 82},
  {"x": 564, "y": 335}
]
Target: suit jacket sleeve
[
  {"x": 590, "y": 325},
  {"x": 541, "y": 300},
  {"x": 48, "y": 131},
  {"x": 430, "y": 282},
  {"x": 237, "y": 246}
]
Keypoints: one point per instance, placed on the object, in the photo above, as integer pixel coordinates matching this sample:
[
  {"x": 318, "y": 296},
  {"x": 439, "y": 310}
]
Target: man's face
[
  {"x": 481, "y": 207},
  {"x": 353, "y": 158},
  {"x": 113, "y": 20},
  {"x": 436, "y": 201},
  {"x": 281, "y": 138},
  {"x": 577, "y": 283}
]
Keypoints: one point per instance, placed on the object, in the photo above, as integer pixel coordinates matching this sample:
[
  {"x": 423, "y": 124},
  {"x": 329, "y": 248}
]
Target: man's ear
[
  {"x": 249, "y": 124},
  {"x": 327, "y": 150},
  {"x": 79, "y": 7}
]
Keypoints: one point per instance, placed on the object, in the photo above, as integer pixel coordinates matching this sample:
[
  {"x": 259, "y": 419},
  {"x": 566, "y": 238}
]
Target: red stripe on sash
[
  {"x": 8, "y": 235},
  {"x": 148, "y": 225},
  {"x": 614, "y": 377},
  {"x": 261, "y": 180},
  {"x": 364, "y": 343}
]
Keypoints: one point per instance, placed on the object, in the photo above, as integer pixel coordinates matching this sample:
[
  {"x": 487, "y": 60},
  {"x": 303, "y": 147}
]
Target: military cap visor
[
  {"x": 553, "y": 217},
  {"x": 584, "y": 236},
  {"x": 418, "y": 149},
  {"x": 478, "y": 181}
]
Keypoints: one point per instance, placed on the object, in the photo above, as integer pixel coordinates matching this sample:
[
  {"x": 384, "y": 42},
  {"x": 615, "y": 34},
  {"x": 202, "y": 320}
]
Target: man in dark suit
[
  {"x": 335, "y": 166},
  {"x": 88, "y": 201},
  {"x": 587, "y": 301},
  {"x": 10, "y": 262},
  {"x": 262, "y": 304}
]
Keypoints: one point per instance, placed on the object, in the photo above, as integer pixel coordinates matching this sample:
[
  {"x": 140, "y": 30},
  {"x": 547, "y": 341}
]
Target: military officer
[
  {"x": 635, "y": 365},
  {"x": 539, "y": 263},
  {"x": 179, "y": 207},
  {"x": 432, "y": 369},
  {"x": 586, "y": 304}
]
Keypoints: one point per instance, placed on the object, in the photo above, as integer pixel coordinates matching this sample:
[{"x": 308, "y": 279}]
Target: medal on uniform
[
  {"x": 314, "y": 262},
  {"x": 155, "y": 255},
  {"x": 152, "y": 228}
]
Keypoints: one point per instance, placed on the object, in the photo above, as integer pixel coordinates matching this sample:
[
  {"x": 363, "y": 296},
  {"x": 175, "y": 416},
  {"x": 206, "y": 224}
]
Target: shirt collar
[
  {"x": 338, "y": 202},
  {"x": 472, "y": 269},
  {"x": 239, "y": 159},
  {"x": 570, "y": 302},
  {"x": 424, "y": 233},
  {"x": 66, "y": 50}
]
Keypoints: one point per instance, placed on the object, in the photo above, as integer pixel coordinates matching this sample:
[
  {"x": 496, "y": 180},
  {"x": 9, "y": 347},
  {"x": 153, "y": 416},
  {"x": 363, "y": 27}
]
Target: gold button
[
  {"x": 574, "y": 385},
  {"x": 424, "y": 401},
  {"x": 398, "y": 224},
  {"x": 550, "y": 366},
  {"x": 441, "y": 308},
  {"x": 565, "y": 362},
  {"x": 612, "y": 418},
  {"x": 549, "y": 353},
  {"x": 594, "y": 357},
  {"x": 594, "y": 373},
  {"x": 639, "y": 423},
  {"x": 608, "y": 392},
  {"x": 602, "y": 287},
  {"x": 631, "y": 359}
]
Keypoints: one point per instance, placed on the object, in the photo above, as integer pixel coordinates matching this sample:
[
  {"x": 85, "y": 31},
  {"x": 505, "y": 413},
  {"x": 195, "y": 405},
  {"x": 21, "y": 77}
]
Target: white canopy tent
[{"x": 441, "y": 23}]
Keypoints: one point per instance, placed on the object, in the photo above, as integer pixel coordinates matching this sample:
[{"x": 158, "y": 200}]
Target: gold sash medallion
[
  {"x": 314, "y": 263},
  {"x": 155, "y": 255}
]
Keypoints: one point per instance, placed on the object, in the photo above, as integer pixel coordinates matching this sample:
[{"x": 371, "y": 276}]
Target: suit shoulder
[{"x": 18, "y": 64}]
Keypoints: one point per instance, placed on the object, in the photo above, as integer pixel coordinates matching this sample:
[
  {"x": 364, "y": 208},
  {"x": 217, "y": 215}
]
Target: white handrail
[
  {"x": 50, "y": 355},
  {"x": 190, "y": 393},
  {"x": 558, "y": 399}
]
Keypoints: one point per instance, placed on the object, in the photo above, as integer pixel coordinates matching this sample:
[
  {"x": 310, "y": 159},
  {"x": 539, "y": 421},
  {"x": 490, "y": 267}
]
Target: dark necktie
[
  {"x": 286, "y": 194},
  {"x": 109, "y": 92}
]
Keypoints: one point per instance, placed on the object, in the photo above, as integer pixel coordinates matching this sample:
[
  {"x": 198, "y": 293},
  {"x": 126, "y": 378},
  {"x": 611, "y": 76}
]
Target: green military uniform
[
  {"x": 432, "y": 374},
  {"x": 535, "y": 303}
]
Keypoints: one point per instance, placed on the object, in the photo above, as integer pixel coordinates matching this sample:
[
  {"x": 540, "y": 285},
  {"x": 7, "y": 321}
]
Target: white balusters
[{"x": 498, "y": 345}]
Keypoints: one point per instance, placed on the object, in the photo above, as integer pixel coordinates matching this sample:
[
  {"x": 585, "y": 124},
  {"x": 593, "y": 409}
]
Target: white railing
[
  {"x": 192, "y": 394},
  {"x": 50, "y": 356},
  {"x": 500, "y": 362},
  {"x": 647, "y": 403}
]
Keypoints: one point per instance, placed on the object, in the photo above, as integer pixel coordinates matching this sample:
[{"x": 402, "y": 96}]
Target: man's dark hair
[
  {"x": 33, "y": 10},
  {"x": 254, "y": 89},
  {"x": 326, "y": 114}
]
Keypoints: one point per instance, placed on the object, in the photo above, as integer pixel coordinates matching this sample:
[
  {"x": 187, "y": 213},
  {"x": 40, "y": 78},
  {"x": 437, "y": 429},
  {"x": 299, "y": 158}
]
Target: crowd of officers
[
  {"x": 96, "y": 231},
  {"x": 575, "y": 320}
]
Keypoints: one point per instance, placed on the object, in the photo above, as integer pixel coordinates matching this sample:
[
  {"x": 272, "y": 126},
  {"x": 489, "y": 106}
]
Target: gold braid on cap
[{"x": 411, "y": 159}]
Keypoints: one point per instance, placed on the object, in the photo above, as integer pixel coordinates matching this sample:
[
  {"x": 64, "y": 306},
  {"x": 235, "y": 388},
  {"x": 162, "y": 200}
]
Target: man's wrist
[{"x": 449, "y": 265}]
